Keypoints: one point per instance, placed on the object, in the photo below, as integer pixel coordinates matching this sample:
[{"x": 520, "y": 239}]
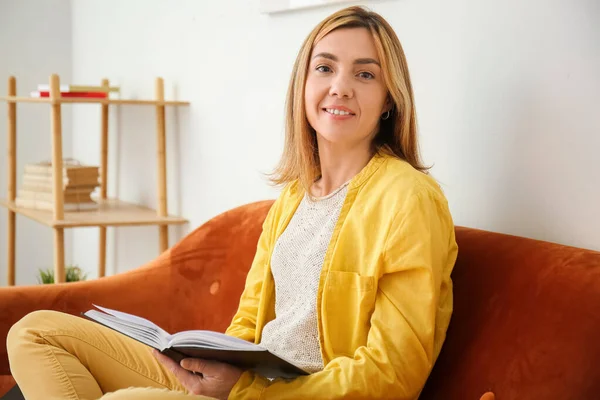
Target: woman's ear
[{"x": 388, "y": 105}]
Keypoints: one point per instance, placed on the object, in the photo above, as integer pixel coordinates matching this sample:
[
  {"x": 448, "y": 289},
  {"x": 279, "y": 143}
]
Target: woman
[{"x": 351, "y": 278}]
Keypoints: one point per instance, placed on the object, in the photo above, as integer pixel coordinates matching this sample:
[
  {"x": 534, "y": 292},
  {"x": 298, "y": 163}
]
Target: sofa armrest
[{"x": 144, "y": 291}]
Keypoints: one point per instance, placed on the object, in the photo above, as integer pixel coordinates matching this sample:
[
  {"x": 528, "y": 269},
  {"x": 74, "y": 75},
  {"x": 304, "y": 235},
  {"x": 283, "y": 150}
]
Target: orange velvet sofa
[{"x": 526, "y": 323}]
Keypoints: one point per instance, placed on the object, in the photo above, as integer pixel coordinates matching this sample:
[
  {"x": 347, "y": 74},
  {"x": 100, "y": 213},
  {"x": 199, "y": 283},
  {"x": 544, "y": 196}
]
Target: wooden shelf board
[
  {"x": 16, "y": 99},
  {"x": 111, "y": 212}
]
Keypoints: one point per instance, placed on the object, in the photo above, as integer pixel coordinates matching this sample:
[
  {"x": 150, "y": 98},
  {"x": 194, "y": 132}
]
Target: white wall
[
  {"x": 507, "y": 93},
  {"x": 509, "y": 111},
  {"x": 31, "y": 51}
]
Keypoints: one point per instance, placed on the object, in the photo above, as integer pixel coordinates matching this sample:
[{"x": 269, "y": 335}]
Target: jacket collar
[{"x": 356, "y": 182}]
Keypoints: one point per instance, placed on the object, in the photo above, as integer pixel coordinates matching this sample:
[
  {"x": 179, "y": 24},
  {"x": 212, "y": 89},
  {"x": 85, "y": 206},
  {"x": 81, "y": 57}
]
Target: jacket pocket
[{"x": 348, "y": 302}]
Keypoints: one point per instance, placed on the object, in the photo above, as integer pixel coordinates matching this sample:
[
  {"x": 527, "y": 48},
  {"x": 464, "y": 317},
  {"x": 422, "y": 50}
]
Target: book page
[
  {"x": 211, "y": 340},
  {"x": 135, "y": 319},
  {"x": 144, "y": 334}
]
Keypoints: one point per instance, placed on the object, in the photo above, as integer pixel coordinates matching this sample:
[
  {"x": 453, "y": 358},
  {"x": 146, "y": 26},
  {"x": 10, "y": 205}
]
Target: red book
[{"x": 98, "y": 95}]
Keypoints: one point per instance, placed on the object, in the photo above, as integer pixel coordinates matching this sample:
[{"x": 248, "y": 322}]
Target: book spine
[
  {"x": 48, "y": 184},
  {"x": 48, "y": 196},
  {"x": 96, "y": 95},
  {"x": 78, "y": 88},
  {"x": 46, "y": 170},
  {"x": 49, "y": 206},
  {"x": 46, "y": 187}
]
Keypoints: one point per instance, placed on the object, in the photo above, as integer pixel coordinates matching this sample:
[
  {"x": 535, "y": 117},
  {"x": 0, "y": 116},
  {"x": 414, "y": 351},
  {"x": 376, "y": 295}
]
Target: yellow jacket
[{"x": 384, "y": 300}]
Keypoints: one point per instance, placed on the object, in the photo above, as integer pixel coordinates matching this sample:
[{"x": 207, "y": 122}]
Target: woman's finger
[
  {"x": 194, "y": 364},
  {"x": 189, "y": 380}
]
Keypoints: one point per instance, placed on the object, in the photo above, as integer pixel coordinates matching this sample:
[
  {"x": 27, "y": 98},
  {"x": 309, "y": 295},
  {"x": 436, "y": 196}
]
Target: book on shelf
[
  {"x": 79, "y": 182},
  {"x": 67, "y": 180},
  {"x": 70, "y": 168},
  {"x": 47, "y": 186},
  {"x": 67, "y": 88},
  {"x": 49, "y": 205},
  {"x": 206, "y": 345},
  {"x": 73, "y": 174},
  {"x": 35, "y": 180},
  {"x": 94, "y": 95},
  {"x": 68, "y": 197}
]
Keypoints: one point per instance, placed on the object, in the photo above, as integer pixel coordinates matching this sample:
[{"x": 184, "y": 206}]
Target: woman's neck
[{"x": 338, "y": 166}]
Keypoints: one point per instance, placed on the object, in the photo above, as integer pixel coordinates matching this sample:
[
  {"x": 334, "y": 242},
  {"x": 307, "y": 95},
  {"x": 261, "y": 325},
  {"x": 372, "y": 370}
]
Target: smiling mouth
[{"x": 334, "y": 111}]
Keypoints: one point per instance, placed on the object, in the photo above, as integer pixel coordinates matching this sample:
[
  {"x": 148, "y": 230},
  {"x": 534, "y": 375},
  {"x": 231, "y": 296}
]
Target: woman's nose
[{"x": 341, "y": 86}]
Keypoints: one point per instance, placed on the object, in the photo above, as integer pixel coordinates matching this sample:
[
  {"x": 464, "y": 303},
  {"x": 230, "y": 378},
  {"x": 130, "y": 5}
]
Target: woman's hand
[{"x": 208, "y": 378}]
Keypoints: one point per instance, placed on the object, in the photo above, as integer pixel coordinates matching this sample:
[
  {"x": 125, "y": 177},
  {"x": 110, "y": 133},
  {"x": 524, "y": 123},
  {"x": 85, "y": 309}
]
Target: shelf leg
[
  {"x": 11, "y": 248},
  {"x": 103, "y": 182},
  {"x": 57, "y": 155},
  {"x": 162, "y": 164},
  {"x": 57, "y": 176},
  {"x": 102, "y": 253},
  {"x": 59, "y": 255},
  {"x": 12, "y": 180}
]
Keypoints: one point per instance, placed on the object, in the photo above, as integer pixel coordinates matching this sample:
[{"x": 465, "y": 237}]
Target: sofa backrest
[
  {"x": 209, "y": 267},
  {"x": 525, "y": 324}
]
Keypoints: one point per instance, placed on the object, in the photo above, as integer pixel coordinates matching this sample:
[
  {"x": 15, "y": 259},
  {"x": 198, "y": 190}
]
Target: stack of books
[
  {"x": 86, "y": 91},
  {"x": 79, "y": 182}
]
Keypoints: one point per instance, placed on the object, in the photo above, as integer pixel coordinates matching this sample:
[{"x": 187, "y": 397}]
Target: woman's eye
[
  {"x": 366, "y": 75},
  {"x": 323, "y": 68}
]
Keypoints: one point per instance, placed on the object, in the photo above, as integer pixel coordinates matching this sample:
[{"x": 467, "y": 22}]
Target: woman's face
[{"x": 345, "y": 94}]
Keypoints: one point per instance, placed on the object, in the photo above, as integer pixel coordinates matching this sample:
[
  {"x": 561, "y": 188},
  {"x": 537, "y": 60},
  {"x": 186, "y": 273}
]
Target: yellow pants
[{"x": 54, "y": 355}]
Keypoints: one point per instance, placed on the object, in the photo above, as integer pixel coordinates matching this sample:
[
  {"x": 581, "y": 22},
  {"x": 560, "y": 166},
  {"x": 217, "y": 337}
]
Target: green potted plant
[{"x": 72, "y": 274}]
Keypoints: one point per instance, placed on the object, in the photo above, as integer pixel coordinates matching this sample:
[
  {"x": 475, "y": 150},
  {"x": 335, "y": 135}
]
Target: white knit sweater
[{"x": 296, "y": 265}]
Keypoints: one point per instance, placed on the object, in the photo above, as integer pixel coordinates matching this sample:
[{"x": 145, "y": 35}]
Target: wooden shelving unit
[{"x": 111, "y": 212}]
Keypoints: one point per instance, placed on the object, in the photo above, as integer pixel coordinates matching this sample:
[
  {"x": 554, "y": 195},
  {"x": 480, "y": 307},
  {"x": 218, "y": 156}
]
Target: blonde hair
[{"x": 397, "y": 135}]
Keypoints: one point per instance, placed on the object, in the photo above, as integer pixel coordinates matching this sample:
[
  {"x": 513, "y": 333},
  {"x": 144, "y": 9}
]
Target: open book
[{"x": 207, "y": 345}]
